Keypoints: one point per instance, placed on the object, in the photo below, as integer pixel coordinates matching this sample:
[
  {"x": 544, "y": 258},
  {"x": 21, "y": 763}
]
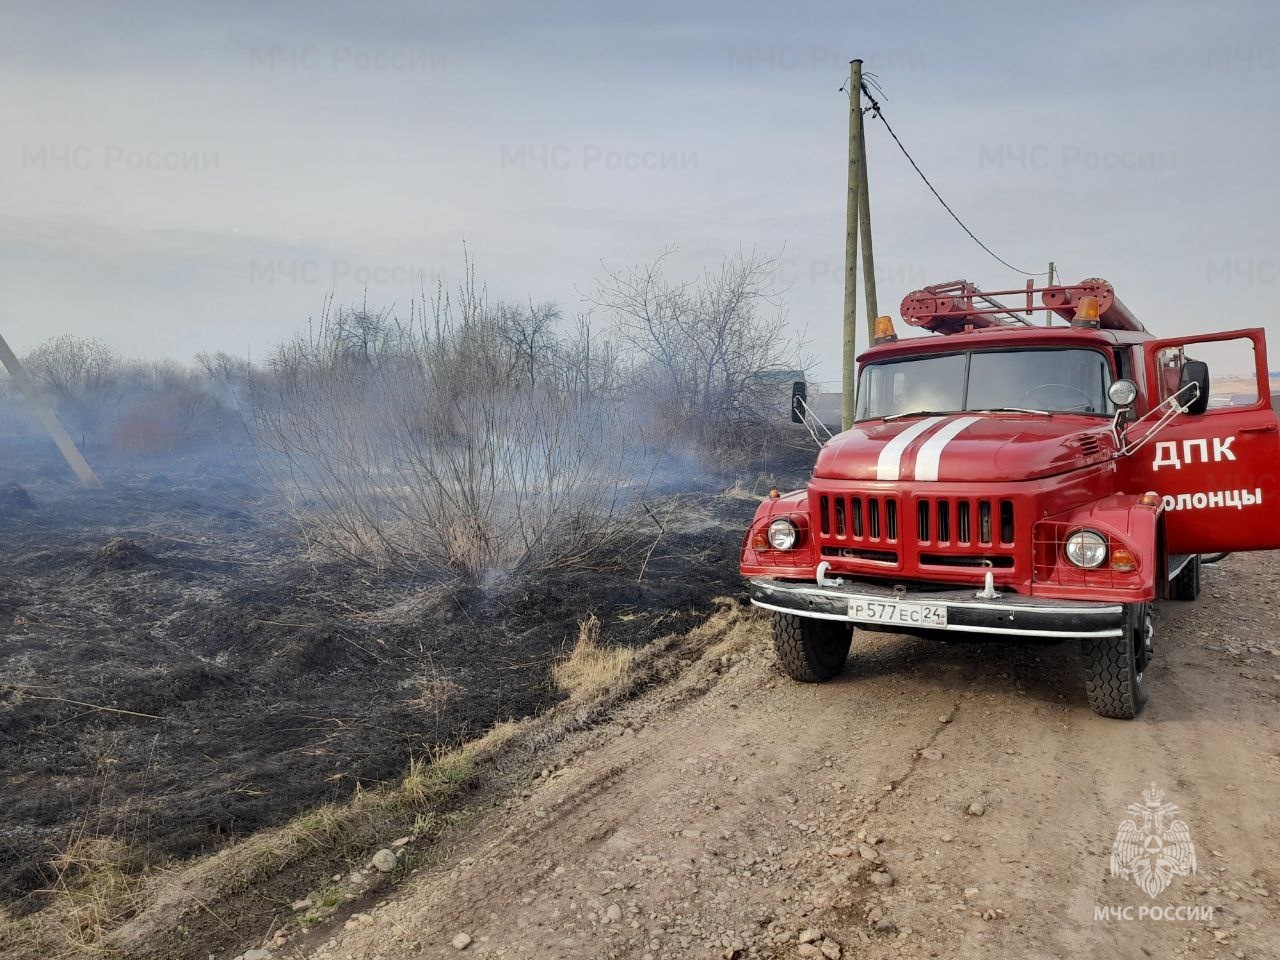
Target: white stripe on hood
[
  {"x": 889, "y": 466},
  {"x": 930, "y": 455}
]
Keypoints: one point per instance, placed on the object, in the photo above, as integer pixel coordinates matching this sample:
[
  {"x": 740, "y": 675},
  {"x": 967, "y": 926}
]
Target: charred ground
[{"x": 176, "y": 674}]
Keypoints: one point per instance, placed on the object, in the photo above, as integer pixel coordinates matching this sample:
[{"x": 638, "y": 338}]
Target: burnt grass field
[{"x": 174, "y": 673}]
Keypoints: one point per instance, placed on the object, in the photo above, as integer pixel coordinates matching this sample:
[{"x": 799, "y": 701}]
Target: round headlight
[
  {"x": 782, "y": 534},
  {"x": 1087, "y": 548},
  {"x": 1123, "y": 392}
]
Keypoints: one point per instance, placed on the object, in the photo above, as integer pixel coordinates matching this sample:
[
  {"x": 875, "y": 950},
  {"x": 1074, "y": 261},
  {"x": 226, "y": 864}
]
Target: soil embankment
[{"x": 935, "y": 801}]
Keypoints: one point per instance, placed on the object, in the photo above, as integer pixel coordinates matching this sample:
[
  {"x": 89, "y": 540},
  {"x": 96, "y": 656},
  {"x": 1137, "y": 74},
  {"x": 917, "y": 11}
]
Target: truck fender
[
  {"x": 1130, "y": 521},
  {"x": 800, "y": 562}
]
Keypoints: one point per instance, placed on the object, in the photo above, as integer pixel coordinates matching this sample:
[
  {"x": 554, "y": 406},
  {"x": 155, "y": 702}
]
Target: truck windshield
[{"x": 1054, "y": 380}]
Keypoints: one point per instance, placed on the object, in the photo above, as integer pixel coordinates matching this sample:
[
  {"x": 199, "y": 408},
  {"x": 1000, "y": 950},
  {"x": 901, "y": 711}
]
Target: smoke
[{"x": 476, "y": 438}]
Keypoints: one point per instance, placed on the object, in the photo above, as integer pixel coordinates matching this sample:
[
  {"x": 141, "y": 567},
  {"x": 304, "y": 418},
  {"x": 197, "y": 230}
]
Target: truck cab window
[
  {"x": 1057, "y": 380},
  {"x": 926, "y": 383},
  {"x": 1169, "y": 371},
  {"x": 1233, "y": 373}
]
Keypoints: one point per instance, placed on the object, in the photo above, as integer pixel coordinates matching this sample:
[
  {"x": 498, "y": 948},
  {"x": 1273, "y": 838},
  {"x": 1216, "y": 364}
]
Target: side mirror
[
  {"x": 1196, "y": 372},
  {"x": 799, "y": 398}
]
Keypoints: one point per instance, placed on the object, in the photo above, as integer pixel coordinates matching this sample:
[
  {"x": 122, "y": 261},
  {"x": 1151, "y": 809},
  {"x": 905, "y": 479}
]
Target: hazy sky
[{"x": 177, "y": 177}]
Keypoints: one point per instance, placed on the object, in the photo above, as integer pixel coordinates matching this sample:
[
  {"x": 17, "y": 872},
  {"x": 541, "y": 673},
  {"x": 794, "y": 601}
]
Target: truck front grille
[
  {"x": 967, "y": 522},
  {"x": 857, "y": 518},
  {"x": 942, "y": 536}
]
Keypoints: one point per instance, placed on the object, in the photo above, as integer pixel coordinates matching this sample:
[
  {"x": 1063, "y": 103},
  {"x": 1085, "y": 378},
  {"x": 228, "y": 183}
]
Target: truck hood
[{"x": 966, "y": 448}]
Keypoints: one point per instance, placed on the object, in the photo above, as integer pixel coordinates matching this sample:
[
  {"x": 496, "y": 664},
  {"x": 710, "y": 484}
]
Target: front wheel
[
  {"x": 1186, "y": 585},
  {"x": 1115, "y": 668},
  {"x": 811, "y": 650}
]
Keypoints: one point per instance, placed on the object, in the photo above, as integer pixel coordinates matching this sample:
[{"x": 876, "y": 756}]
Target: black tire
[
  {"x": 1116, "y": 668},
  {"x": 1186, "y": 585},
  {"x": 811, "y": 650}
]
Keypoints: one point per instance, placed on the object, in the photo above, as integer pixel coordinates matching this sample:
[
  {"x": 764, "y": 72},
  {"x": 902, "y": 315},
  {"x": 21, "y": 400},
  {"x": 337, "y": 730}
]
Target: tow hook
[
  {"x": 988, "y": 591},
  {"x": 823, "y": 567}
]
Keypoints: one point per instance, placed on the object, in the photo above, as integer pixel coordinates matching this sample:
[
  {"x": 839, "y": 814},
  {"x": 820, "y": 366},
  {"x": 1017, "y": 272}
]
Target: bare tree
[
  {"x": 699, "y": 348},
  {"x": 224, "y": 368},
  {"x": 80, "y": 378}
]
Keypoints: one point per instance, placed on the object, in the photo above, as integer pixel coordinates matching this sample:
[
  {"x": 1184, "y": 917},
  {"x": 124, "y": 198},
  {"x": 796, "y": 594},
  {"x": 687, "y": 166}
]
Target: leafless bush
[
  {"x": 473, "y": 437},
  {"x": 79, "y": 377},
  {"x": 700, "y": 350},
  {"x": 162, "y": 407},
  {"x": 136, "y": 407},
  {"x": 227, "y": 376}
]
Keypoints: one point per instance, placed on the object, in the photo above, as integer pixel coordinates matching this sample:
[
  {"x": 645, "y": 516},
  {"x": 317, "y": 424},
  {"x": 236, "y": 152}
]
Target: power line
[{"x": 879, "y": 113}]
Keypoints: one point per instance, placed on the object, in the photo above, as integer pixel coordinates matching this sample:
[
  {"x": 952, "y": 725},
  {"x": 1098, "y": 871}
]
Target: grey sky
[{"x": 322, "y": 148}]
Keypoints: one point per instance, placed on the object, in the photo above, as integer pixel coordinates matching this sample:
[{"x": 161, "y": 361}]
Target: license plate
[{"x": 901, "y": 613}]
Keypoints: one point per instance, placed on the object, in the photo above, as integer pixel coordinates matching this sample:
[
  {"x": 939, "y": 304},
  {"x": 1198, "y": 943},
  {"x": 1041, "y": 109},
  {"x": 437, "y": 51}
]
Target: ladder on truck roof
[{"x": 959, "y": 306}]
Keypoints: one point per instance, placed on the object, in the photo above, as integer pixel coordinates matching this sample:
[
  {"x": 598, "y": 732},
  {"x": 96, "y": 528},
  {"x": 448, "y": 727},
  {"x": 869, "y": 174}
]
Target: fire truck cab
[{"x": 1040, "y": 473}]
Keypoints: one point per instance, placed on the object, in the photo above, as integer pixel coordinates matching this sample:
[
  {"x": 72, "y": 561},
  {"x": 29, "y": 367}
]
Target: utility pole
[
  {"x": 864, "y": 222},
  {"x": 48, "y": 418},
  {"x": 848, "y": 383}
]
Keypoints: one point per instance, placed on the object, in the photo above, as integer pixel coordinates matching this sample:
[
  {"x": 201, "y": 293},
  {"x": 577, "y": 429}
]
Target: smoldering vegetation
[
  {"x": 375, "y": 542},
  {"x": 473, "y": 439},
  {"x": 485, "y": 439}
]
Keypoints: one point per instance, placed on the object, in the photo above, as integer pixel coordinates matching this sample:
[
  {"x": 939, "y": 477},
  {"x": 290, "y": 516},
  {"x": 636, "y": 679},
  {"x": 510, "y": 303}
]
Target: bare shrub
[
  {"x": 472, "y": 438},
  {"x": 146, "y": 427},
  {"x": 134, "y": 407},
  {"x": 163, "y": 407},
  {"x": 79, "y": 377},
  {"x": 227, "y": 377},
  {"x": 698, "y": 349}
]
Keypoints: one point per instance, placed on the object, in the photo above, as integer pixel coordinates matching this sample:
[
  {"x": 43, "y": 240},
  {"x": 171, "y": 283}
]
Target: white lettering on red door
[{"x": 1193, "y": 451}]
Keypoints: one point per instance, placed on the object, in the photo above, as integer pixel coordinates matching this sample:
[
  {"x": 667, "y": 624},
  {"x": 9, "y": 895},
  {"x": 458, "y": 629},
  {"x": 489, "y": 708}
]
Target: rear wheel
[
  {"x": 1186, "y": 585},
  {"x": 811, "y": 650},
  {"x": 1115, "y": 668}
]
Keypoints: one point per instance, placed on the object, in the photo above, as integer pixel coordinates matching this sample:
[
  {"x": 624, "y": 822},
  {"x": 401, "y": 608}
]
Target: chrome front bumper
[{"x": 1010, "y": 615}]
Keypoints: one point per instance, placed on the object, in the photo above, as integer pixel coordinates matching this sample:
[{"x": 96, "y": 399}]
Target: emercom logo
[{"x": 1153, "y": 846}]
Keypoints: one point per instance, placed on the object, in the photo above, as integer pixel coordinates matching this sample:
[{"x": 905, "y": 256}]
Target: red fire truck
[{"x": 1042, "y": 472}]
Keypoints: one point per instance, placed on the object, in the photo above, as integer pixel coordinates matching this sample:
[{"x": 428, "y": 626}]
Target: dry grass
[
  {"x": 591, "y": 667},
  {"x": 740, "y": 491},
  {"x": 429, "y": 786},
  {"x": 95, "y": 887},
  {"x": 102, "y": 909}
]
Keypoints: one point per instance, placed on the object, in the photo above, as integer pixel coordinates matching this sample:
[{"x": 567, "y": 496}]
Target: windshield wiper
[
  {"x": 1043, "y": 413},
  {"x": 918, "y": 413},
  {"x": 949, "y": 413}
]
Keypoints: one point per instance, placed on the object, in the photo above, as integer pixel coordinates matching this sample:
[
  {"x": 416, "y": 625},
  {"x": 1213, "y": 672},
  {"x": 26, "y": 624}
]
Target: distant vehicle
[{"x": 1018, "y": 480}]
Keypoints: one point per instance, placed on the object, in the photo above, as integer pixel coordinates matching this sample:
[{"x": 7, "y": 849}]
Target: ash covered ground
[{"x": 174, "y": 673}]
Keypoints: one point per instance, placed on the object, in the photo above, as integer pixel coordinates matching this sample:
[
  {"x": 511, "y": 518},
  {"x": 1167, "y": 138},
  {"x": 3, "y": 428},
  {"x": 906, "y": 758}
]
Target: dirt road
[{"x": 948, "y": 801}]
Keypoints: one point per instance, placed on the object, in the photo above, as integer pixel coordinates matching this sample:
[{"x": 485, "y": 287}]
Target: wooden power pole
[
  {"x": 48, "y": 418},
  {"x": 848, "y": 382},
  {"x": 864, "y": 223}
]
